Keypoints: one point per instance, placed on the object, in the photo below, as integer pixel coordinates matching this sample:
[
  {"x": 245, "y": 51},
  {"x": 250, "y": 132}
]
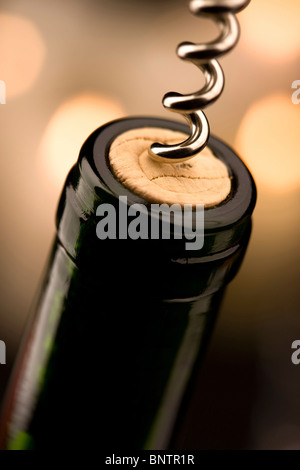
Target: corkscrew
[{"x": 205, "y": 57}]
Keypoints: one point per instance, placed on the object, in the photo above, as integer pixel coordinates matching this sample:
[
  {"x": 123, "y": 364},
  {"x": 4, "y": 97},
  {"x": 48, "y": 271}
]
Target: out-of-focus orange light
[
  {"x": 69, "y": 127},
  {"x": 22, "y": 52},
  {"x": 270, "y": 29},
  {"x": 268, "y": 139}
]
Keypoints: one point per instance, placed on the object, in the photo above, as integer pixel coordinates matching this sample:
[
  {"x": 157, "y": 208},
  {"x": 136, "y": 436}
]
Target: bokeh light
[
  {"x": 69, "y": 127},
  {"x": 268, "y": 139},
  {"x": 270, "y": 29},
  {"x": 22, "y": 53}
]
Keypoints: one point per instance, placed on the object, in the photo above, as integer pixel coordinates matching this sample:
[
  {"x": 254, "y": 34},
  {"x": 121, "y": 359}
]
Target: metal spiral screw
[{"x": 204, "y": 56}]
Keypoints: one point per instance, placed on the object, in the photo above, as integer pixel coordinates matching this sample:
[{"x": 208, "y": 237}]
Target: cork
[{"x": 203, "y": 179}]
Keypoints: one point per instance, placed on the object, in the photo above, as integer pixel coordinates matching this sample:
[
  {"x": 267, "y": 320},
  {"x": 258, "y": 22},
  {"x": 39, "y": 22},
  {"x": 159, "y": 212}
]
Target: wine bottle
[{"x": 120, "y": 326}]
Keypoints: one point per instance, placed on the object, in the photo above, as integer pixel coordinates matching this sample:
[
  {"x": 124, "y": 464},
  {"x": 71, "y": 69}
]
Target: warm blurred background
[{"x": 70, "y": 66}]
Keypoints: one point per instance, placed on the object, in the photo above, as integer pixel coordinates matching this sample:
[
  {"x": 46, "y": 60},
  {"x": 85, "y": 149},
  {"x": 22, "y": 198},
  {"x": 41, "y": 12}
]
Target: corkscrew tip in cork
[{"x": 190, "y": 147}]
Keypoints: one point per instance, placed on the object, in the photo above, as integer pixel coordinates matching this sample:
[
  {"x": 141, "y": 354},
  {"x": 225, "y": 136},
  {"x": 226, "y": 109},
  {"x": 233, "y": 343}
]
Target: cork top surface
[{"x": 203, "y": 179}]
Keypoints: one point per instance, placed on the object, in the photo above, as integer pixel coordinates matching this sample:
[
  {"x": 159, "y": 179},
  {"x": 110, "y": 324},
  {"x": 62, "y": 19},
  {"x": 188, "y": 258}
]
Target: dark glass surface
[{"x": 120, "y": 327}]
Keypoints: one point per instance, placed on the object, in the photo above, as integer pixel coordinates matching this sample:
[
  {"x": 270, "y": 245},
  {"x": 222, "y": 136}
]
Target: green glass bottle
[{"x": 120, "y": 326}]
